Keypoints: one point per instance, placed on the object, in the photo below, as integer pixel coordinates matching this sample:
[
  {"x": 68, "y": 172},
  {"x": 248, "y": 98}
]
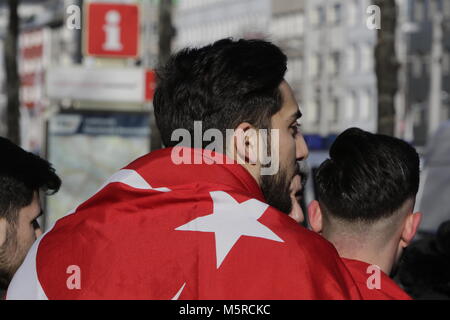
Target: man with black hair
[
  {"x": 366, "y": 195},
  {"x": 22, "y": 176},
  {"x": 217, "y": 227},
  {"x": 235, "y": 85}
]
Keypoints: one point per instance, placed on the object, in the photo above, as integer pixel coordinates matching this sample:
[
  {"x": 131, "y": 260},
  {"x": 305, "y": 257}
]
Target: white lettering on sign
[{"x": 112, "y": 31}]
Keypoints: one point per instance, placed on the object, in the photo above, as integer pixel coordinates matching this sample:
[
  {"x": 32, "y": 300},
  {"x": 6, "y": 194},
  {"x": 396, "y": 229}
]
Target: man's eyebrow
[
  {"x": 296, "y": 116},
  {"x": 40, "y": 214}
]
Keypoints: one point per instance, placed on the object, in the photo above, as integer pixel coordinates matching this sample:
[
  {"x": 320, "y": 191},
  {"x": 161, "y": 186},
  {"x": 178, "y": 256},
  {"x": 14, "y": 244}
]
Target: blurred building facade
[
  {"x": 331, "y": 65},
  {"x": 38, "y": 47},
  {"x": 87, "y": 116},
  {"x": 329, "y": 47},
  {"x": 287, "y": 31},
  {"x": 339, "y": 83},
  {"x": 426, "y": 74},
  {"x": 45, "y": 42},
  {"x": 199, "y": 22}
]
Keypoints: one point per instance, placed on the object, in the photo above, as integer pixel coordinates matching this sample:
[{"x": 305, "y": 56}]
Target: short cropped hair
[{"x": 367, "y": 177}]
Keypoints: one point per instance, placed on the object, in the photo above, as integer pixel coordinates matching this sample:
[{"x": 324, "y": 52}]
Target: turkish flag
[
  {"x": 383, "y": 288},
  {"x": 158, "y": 230}
]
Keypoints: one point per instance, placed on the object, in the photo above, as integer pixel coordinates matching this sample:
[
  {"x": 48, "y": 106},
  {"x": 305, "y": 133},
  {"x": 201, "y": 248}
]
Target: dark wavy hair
[
  {"x": 21, "y": 174},
  {"x": 222, "y": 84},
  {"x": 368, "y": 176}
]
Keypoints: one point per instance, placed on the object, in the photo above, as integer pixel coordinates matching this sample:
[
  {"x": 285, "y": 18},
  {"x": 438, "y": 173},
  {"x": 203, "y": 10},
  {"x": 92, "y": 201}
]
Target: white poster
[
  {"x": 96, "y": 84},
  {"x": 86, "y": 149}
]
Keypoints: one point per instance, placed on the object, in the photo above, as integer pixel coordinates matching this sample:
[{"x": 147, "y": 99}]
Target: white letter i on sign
[{"x": 112, "y": 31}]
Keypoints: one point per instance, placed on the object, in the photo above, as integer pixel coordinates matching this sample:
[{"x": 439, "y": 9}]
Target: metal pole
[
  {"x": 434, "y": 116},
  {"x": 12, "y": 76},
  {"x": 166, "y": 33}
]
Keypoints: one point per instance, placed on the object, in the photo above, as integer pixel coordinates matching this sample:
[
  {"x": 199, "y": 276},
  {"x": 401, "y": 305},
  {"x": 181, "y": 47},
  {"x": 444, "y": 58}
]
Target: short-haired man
[
  {"x": 192, "y": 222},
  {"x": 366, "y": 195},
  {"x": 22, "y": 176}
]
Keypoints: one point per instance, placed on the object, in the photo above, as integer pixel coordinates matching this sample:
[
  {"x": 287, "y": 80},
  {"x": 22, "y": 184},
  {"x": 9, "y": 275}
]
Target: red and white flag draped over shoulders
[{"x": 158, "y": 230}]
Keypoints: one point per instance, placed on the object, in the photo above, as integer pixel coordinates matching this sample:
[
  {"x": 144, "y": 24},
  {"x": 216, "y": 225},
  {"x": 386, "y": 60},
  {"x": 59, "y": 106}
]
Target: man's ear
[
  {"x": 315, "y": 216},
  {"x": 3, "y": 227},
  {"x": 410, "y": 228},
  {"x": 246, "y": 143}
]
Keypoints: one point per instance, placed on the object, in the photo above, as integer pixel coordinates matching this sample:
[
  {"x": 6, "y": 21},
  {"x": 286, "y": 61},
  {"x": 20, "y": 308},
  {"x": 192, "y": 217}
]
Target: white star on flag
[{"x": 229, "y": 221}]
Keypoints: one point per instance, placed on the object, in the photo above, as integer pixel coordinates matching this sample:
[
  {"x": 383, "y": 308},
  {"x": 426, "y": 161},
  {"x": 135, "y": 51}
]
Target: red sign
[
  {"x": 31, "y": 67},
  {"x": 150, "y": 84},
  {"x": 112, "y": 30}
]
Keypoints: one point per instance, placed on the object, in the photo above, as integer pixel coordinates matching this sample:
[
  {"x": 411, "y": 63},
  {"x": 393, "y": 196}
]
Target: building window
[
  {"x": 313, "y": 115},
  {"x": 365, "y": 105},
  {"x": 416, "y": 66},
  {"x": 316, "y": 65},
  {"x": 313, "y": 66},
  {"x": 446, "y": 63},
  {"x": 357, "y": 58},
  {"x": 353, "y": 58},
  {"x": 294, "y": 72},
  {"x": 321, "y": 13},
  {"x": 320, "y": 65},
  {"x": 433, "y": 8},
  {"x": 426, "y": 64},
  {"x": 334, "y": 116},
  {"x": 419, "y": 10},
  {"x": 446, "y": 8},
  {"x": 331, "y": 65},
  {"x": 314, "y": 17},
  {"x": 287, "y": 26},
  {"x": 298, "y": 23},
  {"x": 337, "y": 13},
  {"x": 352, "y": 12},
  {"x": 297, "y": 66},
  {"x": 331, "y": 15},
  {"x": 350, "y": 110},
  {"x": 289, "y": 76},
  {"x": 334, "y": 63},
  {"x": 318, "y": 16},
  {"x": 367, "y": 57}
]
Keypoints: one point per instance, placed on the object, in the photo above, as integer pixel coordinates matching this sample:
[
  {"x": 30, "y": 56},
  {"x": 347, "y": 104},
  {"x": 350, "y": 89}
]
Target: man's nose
[{"x": 301, "y": 148}]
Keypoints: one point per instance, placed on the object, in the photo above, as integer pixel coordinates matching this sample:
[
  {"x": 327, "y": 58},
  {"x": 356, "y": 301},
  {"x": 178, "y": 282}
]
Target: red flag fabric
[
  {"x": 388, "y": 289},
  {"x": 158, "y": 230}
]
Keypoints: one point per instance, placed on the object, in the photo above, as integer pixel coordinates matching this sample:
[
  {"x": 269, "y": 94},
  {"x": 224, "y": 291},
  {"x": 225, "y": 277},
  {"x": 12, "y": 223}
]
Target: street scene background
[{"x": 77, "y": 78}]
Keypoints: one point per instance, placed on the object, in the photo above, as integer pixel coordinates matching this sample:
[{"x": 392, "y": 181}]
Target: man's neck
[
  {"x": 251, "y": 169},
  {"x": 360, "y": 250}
]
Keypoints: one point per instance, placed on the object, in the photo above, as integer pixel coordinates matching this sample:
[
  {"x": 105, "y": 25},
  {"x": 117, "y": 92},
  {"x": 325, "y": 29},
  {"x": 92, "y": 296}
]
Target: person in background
[
  {"x": 296, "y": 191},
  {"x": 424, "y": 270},
  {"x": 23, "y": 176},
  {"x": 366, "y": 196}
]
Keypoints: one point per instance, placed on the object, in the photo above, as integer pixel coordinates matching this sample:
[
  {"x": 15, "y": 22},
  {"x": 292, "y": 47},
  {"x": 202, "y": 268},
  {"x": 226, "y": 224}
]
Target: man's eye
[
  {"x": 295, "y": 128},
  {"x": 35, "y": 224}
]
